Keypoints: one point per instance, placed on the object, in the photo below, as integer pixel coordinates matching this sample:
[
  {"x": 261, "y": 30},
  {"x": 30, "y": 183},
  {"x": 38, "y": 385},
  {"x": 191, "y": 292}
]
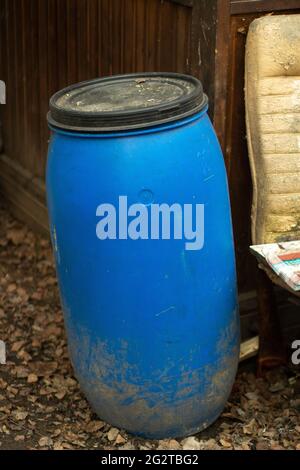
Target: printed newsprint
[{"x": 283, "y": 258}]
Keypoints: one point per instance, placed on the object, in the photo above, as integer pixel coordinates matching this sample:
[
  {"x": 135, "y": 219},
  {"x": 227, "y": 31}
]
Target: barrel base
[
  {"x": 158, "y": 426},
  {"x": 171, "y": 402},
  {"x": 175, "y": 434},
  {"x": 160, "y": 414}
]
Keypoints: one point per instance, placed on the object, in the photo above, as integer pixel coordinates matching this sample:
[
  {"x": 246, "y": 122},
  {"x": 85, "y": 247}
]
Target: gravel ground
[{"x": 41, "y": 406}]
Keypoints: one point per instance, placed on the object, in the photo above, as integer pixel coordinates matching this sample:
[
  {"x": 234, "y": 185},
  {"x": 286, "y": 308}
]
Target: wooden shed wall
[
  {"x": 46, "y": 45},
  {"x": 49, "y": 44}
]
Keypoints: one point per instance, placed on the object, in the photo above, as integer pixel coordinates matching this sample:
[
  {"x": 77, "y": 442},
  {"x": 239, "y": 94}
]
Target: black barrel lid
[{"x": 125, "y": 102}]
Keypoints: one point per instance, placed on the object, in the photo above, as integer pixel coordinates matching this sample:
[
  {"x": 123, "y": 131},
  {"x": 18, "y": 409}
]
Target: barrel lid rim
[{"x": 109, "y": 121}]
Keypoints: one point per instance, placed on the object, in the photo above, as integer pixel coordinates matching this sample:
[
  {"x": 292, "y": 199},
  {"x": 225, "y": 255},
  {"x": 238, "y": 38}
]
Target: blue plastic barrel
[{"x": 141, "y": 231}]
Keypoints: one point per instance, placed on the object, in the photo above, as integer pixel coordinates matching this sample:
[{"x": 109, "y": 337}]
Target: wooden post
[
  {"x": 208, "y": 52},
  {"x": 271, "y": 349}
]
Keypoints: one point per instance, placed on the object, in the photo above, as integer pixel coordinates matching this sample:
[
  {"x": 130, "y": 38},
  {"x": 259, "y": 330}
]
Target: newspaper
[{"x": 283, "y": 258}]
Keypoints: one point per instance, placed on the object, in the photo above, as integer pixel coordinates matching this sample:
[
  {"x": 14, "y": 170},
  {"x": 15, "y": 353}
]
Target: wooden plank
[
  {"x": 236, "y": 155},
  {"x": 249, "y": 348},
  {"x": 168, "y": 45},
  {"x": 183, "y": 38},
  {"x": 31, "y": 158},
  {"x": 140, "y": 37},
  {"x": 83, "y": 71},
  {"x": 3, "y": 68},
  {"x": 221, "y": 71},
  {"x": 10, "y": 103},
  {"x": 203, "y": 45},
  {"x": 105, "y": 48},
  {"x": 257, "y": 6},
  {"x": 122, "y": 43},
  {"x": 24, "y": 193},
  {"x": 61, "y": 40},
  {"x": 71, "y": 41},
  {"x": 43, "y": 93},
  {"x": 92, "y": 53},
  {"x": 25, "y": 74},
  {"x": 15, "y": 51},
  {"x": 100, "y": 39},
  {"x": 151, "y": 37},
  {"x": 129, "y": 37},
  {"x": 116, "y": 50}
]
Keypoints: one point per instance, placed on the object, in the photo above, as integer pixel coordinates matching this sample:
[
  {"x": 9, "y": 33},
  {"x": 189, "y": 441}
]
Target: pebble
[
  {"x": 45, "y": 442},
  {"x": 120, "y": 439},
  {"x": 191, "y": 443},
  {"x": 112, "y": 434}
]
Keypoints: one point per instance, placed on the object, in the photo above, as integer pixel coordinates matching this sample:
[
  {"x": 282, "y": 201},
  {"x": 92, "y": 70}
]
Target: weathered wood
[
  {"x": 203, "y": 45},
  {"x": 271, "y": 349},
  {"x": 221, "y": 71},
  {"x": 249, "y": 348},
  {"x": 236, "y": 153},
  {"x": 25, "y": 194}
]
